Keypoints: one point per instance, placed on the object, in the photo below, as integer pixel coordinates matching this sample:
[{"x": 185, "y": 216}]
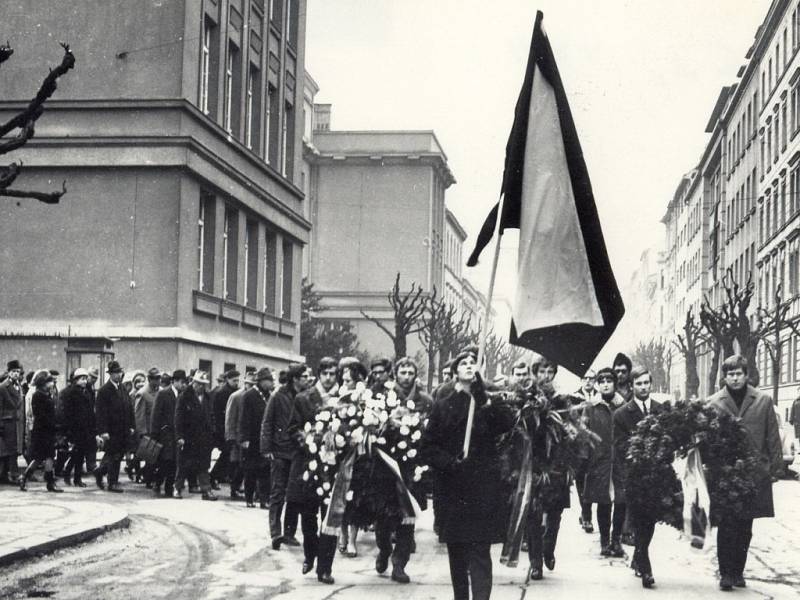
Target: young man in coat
[
  {"x": 467, "y": 463},
  {"x": 162, "y": 428},
  {"x": 115, "y": 425},
  {"x": 625, "y": 421},
  {"x": 12, "y": 422},
  {"x": 756, "y": 414},
  {"x": 600, "y": 475},
  {"x": 233, "y": 411},
  {"x": 79, "y": 428},
  {"x": 251, "y": 414},
  {"x": 279, "y": 444},
  {"x": 194, "y": 432},
  {"x": 325, "y": 388}
]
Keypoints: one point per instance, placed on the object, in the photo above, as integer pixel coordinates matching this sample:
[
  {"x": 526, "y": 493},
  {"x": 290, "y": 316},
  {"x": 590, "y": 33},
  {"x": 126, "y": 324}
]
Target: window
[
  {"x": 233, "y": 90},
  {"x": 784, "y": 137},
  {"x": 293, "y": 10},
  {"x": 794, "y": 29},
  {"x": 287, "y": 150},
  {"x": 272, "y": 128},
  {"x": 286, "y": 280},
  {"x": 793, "y": 270},
  {"x": 230, "y": 257},
  {"x": 794, "y": 189},
  {"x": 785, "y": 361},
  {"x": 251, "y": 270},
  {"x": 206, "y": 365},
  {"x": 270, "y": 272},
  {"x": 248, "y": 111},
  {"x": 783, "y": 201},
  {"x": 229, "y": 367},
  {"x": 205, "y": 243},
  {"x": 276, "y": 14},
  {"x": 205, "y": 66},
  {"x": 777, "y": 138}
]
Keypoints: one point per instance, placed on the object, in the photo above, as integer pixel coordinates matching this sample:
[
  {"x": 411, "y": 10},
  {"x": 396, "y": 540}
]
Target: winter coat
[
  {"x": 280, "y": 425},
  {"x": 600, "y": 474},
  {"x": 233, "y": 411},
  {"x": 251, "y": 415},
  {"x": 474, "y": 501},
  {"x": 79, "y": 420},
  {"x": 626, "y": 418},
  {"x": 12, "y": 419},
  {"x": 143, "y": 410},
  {"x": 114, "y": 417},
  {"x": 194, "y": 424},
  {"x": 162, "y": 422},
  {"x": 43, "y": 434},
  {"x": 757, "y": 416},
  {"x": 794, "y": 417},
  {"x": 219, "y": 400}
]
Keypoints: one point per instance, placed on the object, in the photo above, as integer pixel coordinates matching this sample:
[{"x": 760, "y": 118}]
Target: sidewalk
[{"x": 37, "y": 522}]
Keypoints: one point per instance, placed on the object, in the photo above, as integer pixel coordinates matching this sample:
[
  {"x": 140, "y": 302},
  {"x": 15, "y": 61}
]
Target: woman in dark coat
[
  {"x": 473, "y": 507},
  {"x": 43, "y": 434}
]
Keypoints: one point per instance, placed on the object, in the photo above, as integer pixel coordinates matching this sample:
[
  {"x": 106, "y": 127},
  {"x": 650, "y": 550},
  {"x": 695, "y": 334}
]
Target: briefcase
[{"x": 148, "y": 450}]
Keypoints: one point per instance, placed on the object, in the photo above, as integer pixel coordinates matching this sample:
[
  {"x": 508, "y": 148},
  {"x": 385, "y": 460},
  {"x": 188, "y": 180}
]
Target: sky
[{"x": 641, "y": 77}]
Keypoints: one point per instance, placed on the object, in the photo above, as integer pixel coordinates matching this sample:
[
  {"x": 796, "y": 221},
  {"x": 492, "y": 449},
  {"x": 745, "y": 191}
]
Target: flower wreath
[{"x": 729, "y": 464}]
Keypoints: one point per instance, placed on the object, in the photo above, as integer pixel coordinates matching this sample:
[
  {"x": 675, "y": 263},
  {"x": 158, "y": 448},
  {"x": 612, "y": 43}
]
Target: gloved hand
[{"x": 478, "y": 390}]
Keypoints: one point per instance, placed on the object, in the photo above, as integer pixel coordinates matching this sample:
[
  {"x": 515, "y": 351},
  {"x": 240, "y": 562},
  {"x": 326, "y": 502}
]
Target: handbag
[{"x": 148, "y": 449}]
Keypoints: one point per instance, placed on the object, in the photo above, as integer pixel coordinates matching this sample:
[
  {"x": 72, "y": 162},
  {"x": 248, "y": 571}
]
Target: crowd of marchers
[{"x": 258, "y": 430}]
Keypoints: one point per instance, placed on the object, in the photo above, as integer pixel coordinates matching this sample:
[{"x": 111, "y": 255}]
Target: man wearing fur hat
[
  {"x": 12, "y": 422},
  {"x": 115, "y": 425}
]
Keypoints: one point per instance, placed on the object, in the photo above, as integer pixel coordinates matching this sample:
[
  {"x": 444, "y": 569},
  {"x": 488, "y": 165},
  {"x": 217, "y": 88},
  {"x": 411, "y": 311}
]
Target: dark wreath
[{"x": 729, "y": 463}]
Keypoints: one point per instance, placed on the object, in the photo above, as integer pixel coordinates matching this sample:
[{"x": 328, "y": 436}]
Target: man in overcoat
[
  {"x": 195, "y": 433},
  {"x": 12, "y": 422},
  {"x": 280, "y": 444},
  {"x": 251, "y": 414},
  {"x": 144, "y": 401},
  {"x": 162, "y": 428},
  {"x": 222, "y": 468},
  {"x": 755, "y": 411},
  {"x": 325, "y": 387},
  {"x": 115, "y": 425},
  {"x": 625, "y": 421},
  {"x": 79, "y": 428},
  {"x": 473, "y": 510}
]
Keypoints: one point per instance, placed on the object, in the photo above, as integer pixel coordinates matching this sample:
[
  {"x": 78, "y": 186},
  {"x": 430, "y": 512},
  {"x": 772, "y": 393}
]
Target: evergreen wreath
[{"x": 729, "y": 463}]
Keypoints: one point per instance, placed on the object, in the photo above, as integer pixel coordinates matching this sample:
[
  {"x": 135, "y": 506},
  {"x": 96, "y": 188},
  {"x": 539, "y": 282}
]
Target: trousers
[
  {"x": 643, "y": 529},
  {"x": 109, "y": 466},
  {"x": 470, "y": 568},
  {"x": 733, "y": 543},
  {"x": 542, "y": 534},
  {"x": 400, "y": 550}
]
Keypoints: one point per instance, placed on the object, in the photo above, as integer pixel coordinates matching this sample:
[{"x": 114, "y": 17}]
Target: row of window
[
  {"x": 778, "y": 207},
  {"x": 742, "y": 202},
  {"x": 773, "y": 273},
  {"x": 265, "y": 127},
  {"x": 778, "y": 60},
  {"x": 262, "y": 269}
]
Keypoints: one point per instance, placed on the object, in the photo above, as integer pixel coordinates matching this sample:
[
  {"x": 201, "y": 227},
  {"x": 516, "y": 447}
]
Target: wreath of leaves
[{"x": 729, "y": 464}]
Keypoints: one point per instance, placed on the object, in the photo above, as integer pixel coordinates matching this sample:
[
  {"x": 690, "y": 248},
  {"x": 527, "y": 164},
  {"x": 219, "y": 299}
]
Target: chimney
[{"x": 322, "y": 117}]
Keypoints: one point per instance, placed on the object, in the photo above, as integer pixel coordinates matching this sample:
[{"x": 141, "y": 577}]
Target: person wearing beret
[
  {"x": 115, "y": 425},
  {"x": 256, "y": 467},
  {"x": 460, "y": 443},
  {"x": 12, "y": 422},
  {"x": 43, "y": 434}
]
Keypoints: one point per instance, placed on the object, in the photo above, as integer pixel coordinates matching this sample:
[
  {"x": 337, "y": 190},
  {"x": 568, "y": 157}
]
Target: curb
[{"x": 71, "y": 539}]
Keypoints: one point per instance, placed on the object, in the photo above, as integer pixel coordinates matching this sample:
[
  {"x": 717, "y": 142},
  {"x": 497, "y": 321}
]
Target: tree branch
[{"x": 46, "y": 197}]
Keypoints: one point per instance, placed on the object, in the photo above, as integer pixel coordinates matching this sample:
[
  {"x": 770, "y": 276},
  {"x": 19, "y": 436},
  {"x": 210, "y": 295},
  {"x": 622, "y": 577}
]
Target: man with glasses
[{"x": 280, "y": 444}]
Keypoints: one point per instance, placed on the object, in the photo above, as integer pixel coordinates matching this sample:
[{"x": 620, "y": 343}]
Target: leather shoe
[
  {"x": 325, "y": 578},
  {"x": 250, "y": 504},
  {"x": 627, "y": 539},
  {"x": 550, "y": 563},
  {"x": 194, "y": 490},
  {"x": 307, "y": 566},
  {"x": 535, "y": 573},
  {"x": 616, "y": 549},
  {"x": 263, "y": 506},
  {"x": 98, "y": 478},
  {"x": 739, "y": 581},
  {"x": 290, "y": 540},
  {"x": 725, "y": 583},
  {"x": 78, "y": 483},
  {"x": 647, "y": 580},
  {"x": 400, "y": 576},
  {"x": 381, "y": 564},
  {"x": 235, "y": 495},
  {"x": 635, "y": 567},
  {"x": 177, "y": 495},
  {"x": 605, "y": 549},
  {"x": 276, "y": 542},
  {"x": 116, "y": 488},
  {"x": 209, "y": 496}
]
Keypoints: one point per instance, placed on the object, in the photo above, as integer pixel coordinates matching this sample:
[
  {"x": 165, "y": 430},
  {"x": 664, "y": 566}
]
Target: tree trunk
[
  {"x": 431, "y": 365},
  {"x": 400, "y": 348},
  {"x": 713, "y": 371},
  {"x": 776, "y": 373},
  {"x": 692, "y": 378}
]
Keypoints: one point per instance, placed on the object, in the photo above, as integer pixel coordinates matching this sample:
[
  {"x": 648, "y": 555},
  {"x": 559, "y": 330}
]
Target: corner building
[{"x": 179, "y": 242}]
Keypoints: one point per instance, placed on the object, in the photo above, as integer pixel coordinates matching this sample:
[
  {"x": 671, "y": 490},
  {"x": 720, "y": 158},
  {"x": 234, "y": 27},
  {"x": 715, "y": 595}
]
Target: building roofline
[{"x": 452, "y": 218}]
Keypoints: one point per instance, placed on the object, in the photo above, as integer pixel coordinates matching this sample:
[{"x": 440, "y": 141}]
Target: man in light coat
[
  {"x": 755, "y": 411},
  {"x": 232, "y": 433}
]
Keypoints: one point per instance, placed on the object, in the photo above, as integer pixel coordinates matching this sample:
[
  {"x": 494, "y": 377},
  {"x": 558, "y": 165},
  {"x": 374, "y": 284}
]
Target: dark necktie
[{"x": 644, "y": 408}]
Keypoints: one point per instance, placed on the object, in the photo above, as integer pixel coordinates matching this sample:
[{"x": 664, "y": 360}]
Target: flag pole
[{"x": 497, "y": 235}]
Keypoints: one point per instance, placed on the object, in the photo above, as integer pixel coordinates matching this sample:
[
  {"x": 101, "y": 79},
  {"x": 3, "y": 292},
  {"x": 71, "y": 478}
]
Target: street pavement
[{"x": 193, "y": 550}]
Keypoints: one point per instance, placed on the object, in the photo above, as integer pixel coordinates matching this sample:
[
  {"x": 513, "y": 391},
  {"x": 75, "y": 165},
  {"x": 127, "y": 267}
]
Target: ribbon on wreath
[
  {"x": 696, "y": 501},
  {"x": 334, "y": 516},
  {"x": 520, "y": 506},
  {"x": 409, "y": 507}
]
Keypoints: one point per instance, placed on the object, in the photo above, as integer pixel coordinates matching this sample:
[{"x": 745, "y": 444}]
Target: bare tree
[
  {"x": 430, "y": 334},
  {"x": 652, "y": 355},
  {"x": 455, "y": 332},
  {"x": 773, "y": 321},
  {"x": 408, "y": 308},
  {"x": 24, "y": 123},
  {"x": 688, "y": 345}
]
